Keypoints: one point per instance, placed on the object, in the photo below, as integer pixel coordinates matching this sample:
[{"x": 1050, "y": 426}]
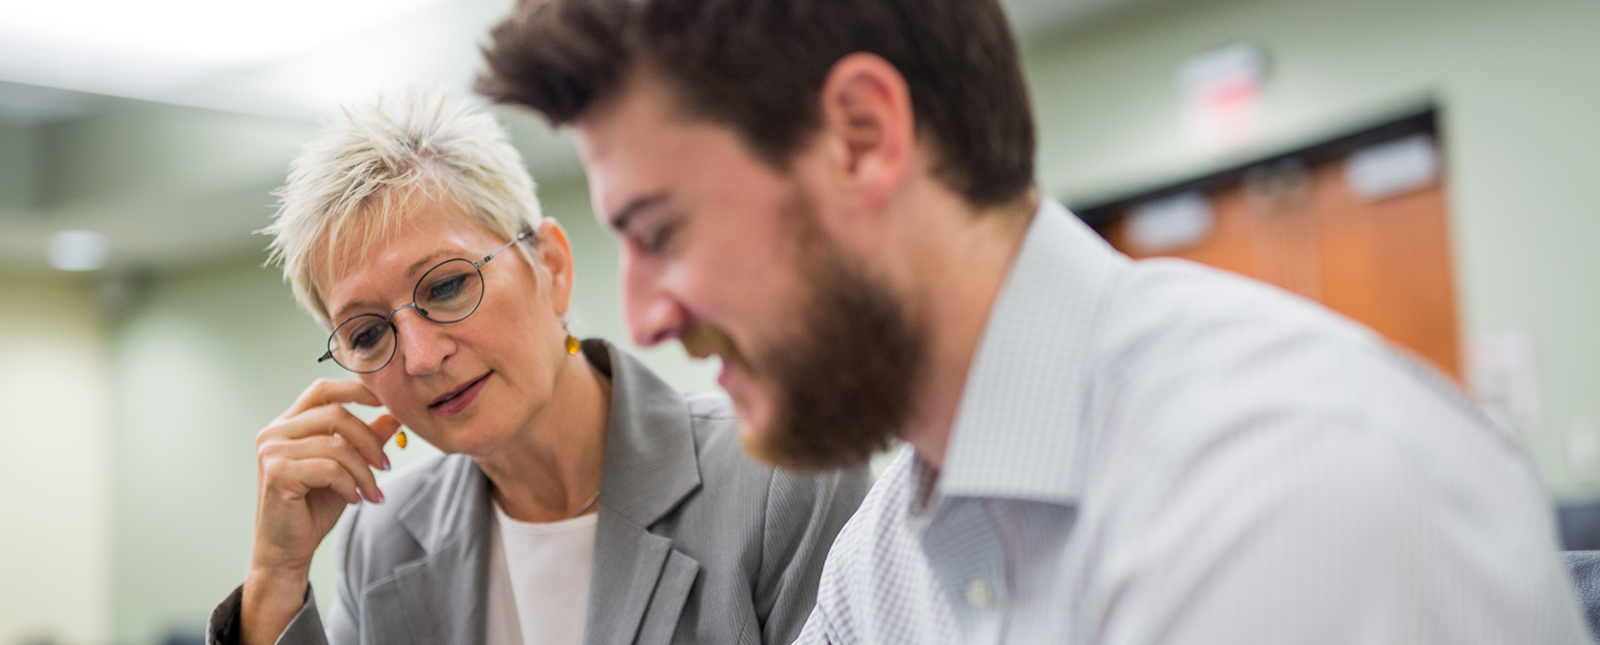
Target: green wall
[
  {"x": 207, "y": 358},
  {"x": 55, "y": 514},
  {"x": 19, "y": 166}
]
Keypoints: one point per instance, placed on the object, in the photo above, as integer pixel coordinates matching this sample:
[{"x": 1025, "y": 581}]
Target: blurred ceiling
[{"x": 165, "y": 124}]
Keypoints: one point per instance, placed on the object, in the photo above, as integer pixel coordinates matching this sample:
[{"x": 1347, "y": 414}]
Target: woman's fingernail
[
  {"x": 386, "y": 462},
  {"x": 380, "y": 497}
]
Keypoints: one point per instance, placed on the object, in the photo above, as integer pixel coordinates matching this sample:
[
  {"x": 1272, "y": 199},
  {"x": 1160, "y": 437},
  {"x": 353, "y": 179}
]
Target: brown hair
[{"x": 758, "y": 66}]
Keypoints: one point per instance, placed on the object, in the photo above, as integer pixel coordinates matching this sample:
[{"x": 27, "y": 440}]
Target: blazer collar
[
  {"x": 650, "y": 462},
  {"x": 640, "y": 582},
  {"x": 440, "y": 597},
  {"x": 451, "y": 506}
]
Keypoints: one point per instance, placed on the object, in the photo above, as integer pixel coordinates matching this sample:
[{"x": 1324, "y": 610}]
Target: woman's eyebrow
[
  {"x": 410, "y": 271},
  {"x": 417, "y": 266},
  {"x": 340, "y": 315}
]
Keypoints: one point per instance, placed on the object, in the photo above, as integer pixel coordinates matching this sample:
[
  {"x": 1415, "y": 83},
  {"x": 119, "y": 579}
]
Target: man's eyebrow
[{"x": 619, "y": 220}]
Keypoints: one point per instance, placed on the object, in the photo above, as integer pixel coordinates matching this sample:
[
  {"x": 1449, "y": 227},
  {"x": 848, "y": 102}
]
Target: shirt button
[{"x": 979, "y": 594}]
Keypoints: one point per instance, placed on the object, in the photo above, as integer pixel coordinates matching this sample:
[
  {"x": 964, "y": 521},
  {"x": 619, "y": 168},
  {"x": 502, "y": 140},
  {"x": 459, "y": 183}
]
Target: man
[{"x": 836, "y": 198}]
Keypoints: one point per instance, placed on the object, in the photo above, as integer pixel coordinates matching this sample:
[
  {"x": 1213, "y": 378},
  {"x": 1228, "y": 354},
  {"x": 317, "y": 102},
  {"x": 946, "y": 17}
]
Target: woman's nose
[{"x": 423, "y": 344}]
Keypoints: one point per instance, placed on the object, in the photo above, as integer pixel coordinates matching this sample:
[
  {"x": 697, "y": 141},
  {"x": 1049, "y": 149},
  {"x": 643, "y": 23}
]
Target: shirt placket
[{"x": 968, "y": 560}]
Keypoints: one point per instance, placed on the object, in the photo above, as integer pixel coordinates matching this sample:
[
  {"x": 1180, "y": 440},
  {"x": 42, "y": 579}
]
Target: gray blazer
[{"x": 695, "y": 543}]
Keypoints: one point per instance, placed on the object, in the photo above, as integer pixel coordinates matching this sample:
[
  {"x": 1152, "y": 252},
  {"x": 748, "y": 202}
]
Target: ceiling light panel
[{"x": 119, "y": 47}]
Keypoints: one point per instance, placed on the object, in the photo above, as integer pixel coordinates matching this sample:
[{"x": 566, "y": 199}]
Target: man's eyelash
[{"x": 657, "y": 239}]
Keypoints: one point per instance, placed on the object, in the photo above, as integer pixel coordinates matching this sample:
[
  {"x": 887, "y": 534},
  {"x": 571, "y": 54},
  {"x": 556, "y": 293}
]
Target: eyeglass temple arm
[
  {"x": 520, "y": 237},
  {"x": 325, "y": 356}
]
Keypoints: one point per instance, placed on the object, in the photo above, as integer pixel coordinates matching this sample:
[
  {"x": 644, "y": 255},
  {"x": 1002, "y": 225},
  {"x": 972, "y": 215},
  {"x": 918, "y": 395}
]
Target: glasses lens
[
  {"x": 363, "y": 343},
  {"x": 450, "y": 291}
]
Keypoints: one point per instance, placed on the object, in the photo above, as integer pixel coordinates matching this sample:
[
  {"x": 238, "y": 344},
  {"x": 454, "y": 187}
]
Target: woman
[{"x": 580, "y": 498}]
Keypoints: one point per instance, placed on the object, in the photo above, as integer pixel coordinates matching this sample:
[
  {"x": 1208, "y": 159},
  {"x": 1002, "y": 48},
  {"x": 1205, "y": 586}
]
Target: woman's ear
[{"x": 555, "y": 255}]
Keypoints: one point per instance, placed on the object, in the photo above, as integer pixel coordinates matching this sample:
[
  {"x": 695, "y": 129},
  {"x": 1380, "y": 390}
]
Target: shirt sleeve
[
  {"x": 804, "y": 514},
  {"x": 816, "y": 630}
]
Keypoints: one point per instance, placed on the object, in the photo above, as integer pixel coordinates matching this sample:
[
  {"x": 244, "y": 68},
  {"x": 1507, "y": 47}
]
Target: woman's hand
[{"x": 310, "y": 463}]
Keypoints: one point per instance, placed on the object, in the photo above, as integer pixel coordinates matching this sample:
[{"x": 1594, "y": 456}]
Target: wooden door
[{"x": 1384, "y": 262}]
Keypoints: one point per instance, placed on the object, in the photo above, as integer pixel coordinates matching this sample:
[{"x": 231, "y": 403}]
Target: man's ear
[
  {"x": 555, "y": 255},
  {"x": 866, "y": 114}
]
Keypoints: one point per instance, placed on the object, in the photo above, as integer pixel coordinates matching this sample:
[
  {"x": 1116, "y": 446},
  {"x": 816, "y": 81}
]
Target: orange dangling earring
[
  {"x": 400, "y": 439},
  {"x": 572, "y": 345}
]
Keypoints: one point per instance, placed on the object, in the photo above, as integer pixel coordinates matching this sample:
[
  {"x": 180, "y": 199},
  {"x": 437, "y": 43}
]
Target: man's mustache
[{"x": 701, "y": 341}]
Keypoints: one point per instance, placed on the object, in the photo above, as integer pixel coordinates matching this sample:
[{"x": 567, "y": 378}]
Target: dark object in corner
[
  {"x": 1585, "y": 569},
  {"x": 1580, "y": 526}
]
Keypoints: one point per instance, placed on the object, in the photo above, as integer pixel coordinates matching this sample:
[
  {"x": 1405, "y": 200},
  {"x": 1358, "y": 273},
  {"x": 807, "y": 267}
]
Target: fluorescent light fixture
[
  {"x": 194, "y": 33},
  {"x": 154, "y": 48},
  {"x": 78, "y": 250}
]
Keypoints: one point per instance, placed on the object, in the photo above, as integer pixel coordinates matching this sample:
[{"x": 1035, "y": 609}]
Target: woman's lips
[{"x": 450, "y": 404}]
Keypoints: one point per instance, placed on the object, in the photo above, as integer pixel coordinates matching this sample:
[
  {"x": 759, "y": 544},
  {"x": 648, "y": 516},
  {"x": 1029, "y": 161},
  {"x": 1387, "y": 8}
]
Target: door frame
[{"x": 1104, "y": 213}]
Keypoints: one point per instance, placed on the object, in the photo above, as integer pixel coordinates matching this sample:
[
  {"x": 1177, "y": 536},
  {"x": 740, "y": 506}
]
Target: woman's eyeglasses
[{"x": 447, "y": 293}]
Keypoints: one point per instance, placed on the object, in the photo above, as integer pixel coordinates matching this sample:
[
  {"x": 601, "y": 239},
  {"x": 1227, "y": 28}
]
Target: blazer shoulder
[
  {"x": 715, "y": 426},
  {"x": 711, "y": 407}
]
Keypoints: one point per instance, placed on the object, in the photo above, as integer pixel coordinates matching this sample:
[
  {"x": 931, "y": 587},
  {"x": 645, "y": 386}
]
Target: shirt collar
[{"x": 1021, "y": 428}]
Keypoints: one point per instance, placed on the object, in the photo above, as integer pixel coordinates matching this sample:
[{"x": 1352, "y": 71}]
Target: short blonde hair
[{"x": 362, "y": 170}]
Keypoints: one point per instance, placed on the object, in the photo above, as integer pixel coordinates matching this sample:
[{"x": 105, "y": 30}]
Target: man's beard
[
  {"x": 845, "y": 379},
  {"x": 845, "y": 385}
]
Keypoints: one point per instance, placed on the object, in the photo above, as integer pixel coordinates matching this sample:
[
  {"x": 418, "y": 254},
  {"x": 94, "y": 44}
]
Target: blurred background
[{"x": 1419, "y": 166}]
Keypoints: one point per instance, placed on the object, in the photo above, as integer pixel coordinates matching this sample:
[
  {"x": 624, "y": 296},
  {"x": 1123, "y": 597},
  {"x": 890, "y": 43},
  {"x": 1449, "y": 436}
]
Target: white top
[
  {"x": 539, "y": 580},
  {"x": 1158, "y": 453}
]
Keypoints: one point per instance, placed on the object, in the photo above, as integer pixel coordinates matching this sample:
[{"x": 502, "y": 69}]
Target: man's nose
[
  {"x": 423, "y": 344},
  {"x": 653, "y": 316}
]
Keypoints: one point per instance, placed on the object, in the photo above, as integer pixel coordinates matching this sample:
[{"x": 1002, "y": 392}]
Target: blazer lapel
[
  {"x": 441, "y": 597},
  {"x": 672, "y": 592},
  {"x": 625, "y": 604},
  {"x": 639, "y": 583}
]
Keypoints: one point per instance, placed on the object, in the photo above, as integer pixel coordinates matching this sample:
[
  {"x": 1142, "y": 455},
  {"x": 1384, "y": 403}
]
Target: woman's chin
[{"x": 466, "y": 440}]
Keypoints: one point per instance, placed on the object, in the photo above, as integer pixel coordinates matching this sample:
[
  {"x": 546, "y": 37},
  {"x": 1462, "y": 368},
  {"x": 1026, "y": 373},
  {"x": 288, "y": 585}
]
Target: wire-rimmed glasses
[{"x": 447, "y": 293}]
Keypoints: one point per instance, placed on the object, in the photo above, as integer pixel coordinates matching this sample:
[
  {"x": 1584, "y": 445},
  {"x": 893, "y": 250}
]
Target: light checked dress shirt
[{"x": 1158, "y": 452}]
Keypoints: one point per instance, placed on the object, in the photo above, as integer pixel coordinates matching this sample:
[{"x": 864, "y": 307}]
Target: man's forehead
[
  {"x": 645, "y": 109},
  {"x": 642, "y": 146},
  {"x": 640, "y": 104},
  {"x": 628, "y": 156}
]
